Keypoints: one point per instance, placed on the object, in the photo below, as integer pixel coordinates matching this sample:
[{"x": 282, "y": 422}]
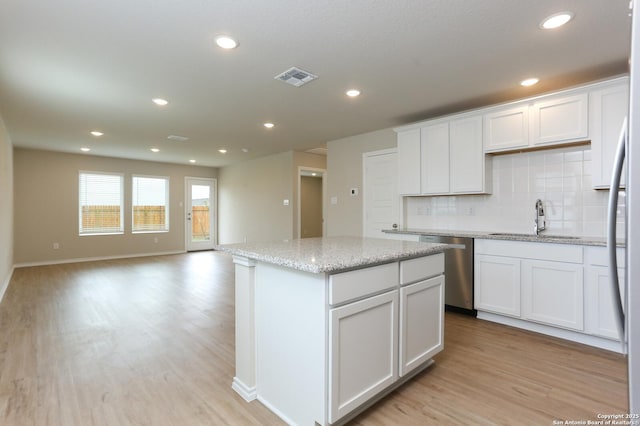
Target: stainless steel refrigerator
[{"x": 629, "y": 306}]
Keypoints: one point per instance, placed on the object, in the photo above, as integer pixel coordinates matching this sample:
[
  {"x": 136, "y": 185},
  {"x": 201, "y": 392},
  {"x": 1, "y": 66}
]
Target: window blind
[
  {"x": 100, "y": 203},
  {"x": 149, "y": 199}
]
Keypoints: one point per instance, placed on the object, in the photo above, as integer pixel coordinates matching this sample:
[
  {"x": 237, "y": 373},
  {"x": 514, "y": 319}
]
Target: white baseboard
[
  {"x": 5, "y": 284},
  {"x": 93, "y": 259},
  {"x": 247, "y": 393}
]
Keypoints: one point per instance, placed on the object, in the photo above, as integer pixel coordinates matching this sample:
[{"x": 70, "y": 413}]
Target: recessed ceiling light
[
  {"x": 556, "y": 20},
  {"x": 222, "y": 151},
  {"x": 529, "y": 82},
  {"x": 192, "y": 161},
  {"x": 160, "y": 101},
  {"x": 155, "y": 150},
  {"x": 269, "y": 125},
  {"x": 84, "y": 149},
  {"x": 226, "y": 42},
  {"x": 245, "y": 150},
  {"x": 353, "y": 93},
  {"x": 97, "y": 133},
  {"x": 314, "y": 174}
]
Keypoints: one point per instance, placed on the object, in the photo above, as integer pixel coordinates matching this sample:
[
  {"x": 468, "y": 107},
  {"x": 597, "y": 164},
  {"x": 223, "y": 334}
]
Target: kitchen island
[{"x": 327, "y": 326}]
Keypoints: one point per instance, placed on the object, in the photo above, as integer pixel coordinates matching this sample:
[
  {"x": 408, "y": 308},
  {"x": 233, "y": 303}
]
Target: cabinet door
[
  {"x": 599, "y": 309},
  {"x": 434, "y": 141},
  {"x": 559, "y": 120},
  {"x": 363, "y": 351},
  {"x": 421, "y": 322},
  {"x": 467, "y": 155},
  {"x": 409, "y": 162},
  {"x": 506, "y": 129},
  {"x": 607, "y": 109},
  {"x": 497, "y": 284},
  {"x": 552, "y": 293}
]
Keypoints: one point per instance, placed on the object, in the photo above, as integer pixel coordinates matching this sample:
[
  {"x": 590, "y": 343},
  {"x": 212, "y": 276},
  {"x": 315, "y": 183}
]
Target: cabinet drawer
[
  {"x": 421, "y": 268},
  {"x": 361, "y": 282},
  {"x": 530, "y": 250}
]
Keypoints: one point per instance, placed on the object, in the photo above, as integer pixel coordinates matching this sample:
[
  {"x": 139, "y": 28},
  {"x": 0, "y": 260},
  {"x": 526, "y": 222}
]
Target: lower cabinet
[
  {"x": 421, "y": 303},
  {"x": 376, "y": 340},
  {"x": 546, "y": 287},
  {"x": 552, "y": 293},
  {"x": 497, "y": 284},
  {"x": 600, "y": 320},
  {"x": 363, "y": 351}
]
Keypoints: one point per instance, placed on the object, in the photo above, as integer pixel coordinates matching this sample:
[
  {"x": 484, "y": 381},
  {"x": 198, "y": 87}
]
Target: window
[
  {"x": 100, "y": 203},
  {"x": 149, "y": 199}
]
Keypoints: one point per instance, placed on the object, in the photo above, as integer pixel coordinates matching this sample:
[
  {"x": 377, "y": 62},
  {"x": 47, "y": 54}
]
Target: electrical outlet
[
  {"x": 56, "y": 246},
  {"x": 334, "y": 200},
  {"x": 285, "y": 202}
]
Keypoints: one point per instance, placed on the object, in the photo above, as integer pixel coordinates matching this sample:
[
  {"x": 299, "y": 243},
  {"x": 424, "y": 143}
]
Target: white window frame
[
  {"x": 80, "y": 199},
  {"x": 166, "y": 205}
]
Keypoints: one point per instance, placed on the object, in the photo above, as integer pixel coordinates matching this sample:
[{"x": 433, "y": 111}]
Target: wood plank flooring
[{"x": 150, "y": 341}]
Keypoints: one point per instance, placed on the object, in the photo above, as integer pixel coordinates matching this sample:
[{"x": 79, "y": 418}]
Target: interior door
[
  {"x": 201, "y": 210},
  {"x": 381, "y": 200}
]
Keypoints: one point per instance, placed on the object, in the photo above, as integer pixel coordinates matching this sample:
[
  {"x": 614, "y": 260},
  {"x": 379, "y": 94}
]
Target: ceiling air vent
[
  {"x": 177, "y": 138},
  {"x": 296, "y": 77}
]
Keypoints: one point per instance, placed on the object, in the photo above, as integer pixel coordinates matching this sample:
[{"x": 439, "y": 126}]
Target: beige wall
[
  {"x": 344, "y": 171},
  {"x": 6, "y": 208},
  {"x": 251, "y": 196},
  {"x": 311, "y": 206},
  {"x": 46, "y": 207}
]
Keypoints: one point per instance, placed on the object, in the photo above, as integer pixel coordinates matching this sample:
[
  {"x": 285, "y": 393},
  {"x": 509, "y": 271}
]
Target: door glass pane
[{"x": 200, "y": 211}]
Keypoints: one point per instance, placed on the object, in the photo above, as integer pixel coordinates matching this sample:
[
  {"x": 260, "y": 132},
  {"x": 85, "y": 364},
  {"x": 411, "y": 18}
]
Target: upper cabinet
[
  {"x": 506, "y": 128},
  {"x": 549, "y": 120},
  {"x": 446, "y": 155},
  {"x": 559, "y": 119},
  {"x": 409, "y": 162},
  {"x": 608, "y": 106},
  {"x": 443, "y": 157}
]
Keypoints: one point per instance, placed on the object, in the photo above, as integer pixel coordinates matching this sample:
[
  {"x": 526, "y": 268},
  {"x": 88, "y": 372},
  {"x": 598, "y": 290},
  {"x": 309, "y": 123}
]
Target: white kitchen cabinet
[
  {"x": 599, "y": 307},
  {"x": 497, "y": 284},
  {"x": 546, "y": 120},
  {"x": 434, "y": 140},
  {"x": 608, "y": 106},
  {"x": 557, "y": 289},
  {"x": 506, "y": 128},
  {"x": 409, "y": 159},
  {"x": 363, "y": 351},
  {"x": 450, "y": 156},
  {"x": 468, "y": 167},
  {"x": 559, "y": 119},
  {"x": 421, "y": 303},
  {"x": 552, "y": 293}
]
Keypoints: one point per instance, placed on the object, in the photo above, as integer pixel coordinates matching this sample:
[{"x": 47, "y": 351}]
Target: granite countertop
[
  {"x": 332, "y": 254},
  {"x": 542, "y": 238}
]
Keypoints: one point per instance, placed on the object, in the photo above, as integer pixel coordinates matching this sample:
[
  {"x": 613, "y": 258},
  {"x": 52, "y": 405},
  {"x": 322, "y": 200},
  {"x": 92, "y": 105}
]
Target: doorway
[
  {"x": 201, "y": 211},
  {"x": 311, "y": 190}
]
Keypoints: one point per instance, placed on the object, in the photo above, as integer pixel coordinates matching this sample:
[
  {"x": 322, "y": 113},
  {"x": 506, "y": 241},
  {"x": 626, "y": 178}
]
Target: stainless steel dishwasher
[{"x": 458, "y": 272}]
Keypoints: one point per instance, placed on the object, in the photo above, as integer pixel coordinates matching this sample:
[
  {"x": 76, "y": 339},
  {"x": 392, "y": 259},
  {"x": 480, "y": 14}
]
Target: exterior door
[
  {"x": 200, "y": 206},
  {"x": 381, "y": 200}
]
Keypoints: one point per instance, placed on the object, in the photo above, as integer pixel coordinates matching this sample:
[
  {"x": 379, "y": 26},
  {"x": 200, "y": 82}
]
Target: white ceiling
[{"x": 71, "y": 66}]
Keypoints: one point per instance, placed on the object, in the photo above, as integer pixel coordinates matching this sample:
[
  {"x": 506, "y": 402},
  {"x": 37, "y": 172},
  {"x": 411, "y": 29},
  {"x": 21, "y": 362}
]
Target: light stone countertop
[
  {"x": 332, "y": 254},
  {"x": 542, "y": 238}
]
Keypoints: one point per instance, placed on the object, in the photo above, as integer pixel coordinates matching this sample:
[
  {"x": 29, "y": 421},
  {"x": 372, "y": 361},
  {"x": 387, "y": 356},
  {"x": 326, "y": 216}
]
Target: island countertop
[{"x": 331, "y": 254}]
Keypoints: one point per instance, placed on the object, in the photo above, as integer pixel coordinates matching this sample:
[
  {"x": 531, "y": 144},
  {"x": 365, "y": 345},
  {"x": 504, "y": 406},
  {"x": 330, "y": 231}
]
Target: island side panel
[
  {"x": 291, "y": 343},
  {"x": 244, "y": 382}
]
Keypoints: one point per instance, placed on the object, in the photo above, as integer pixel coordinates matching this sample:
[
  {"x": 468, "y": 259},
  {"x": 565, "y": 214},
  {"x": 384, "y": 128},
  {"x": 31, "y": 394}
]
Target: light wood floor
[{"x": 149, "y": 341}]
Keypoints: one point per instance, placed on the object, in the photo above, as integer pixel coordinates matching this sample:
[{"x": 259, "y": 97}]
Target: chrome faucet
[{"x": 539, "y": 224}]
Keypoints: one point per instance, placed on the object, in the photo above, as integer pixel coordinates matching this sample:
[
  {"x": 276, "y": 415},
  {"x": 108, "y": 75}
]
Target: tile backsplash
[{"x": 560, "y": 177}]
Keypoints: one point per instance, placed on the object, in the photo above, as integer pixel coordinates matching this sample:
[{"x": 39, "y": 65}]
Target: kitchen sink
[{"x": 540, "y": 236}]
